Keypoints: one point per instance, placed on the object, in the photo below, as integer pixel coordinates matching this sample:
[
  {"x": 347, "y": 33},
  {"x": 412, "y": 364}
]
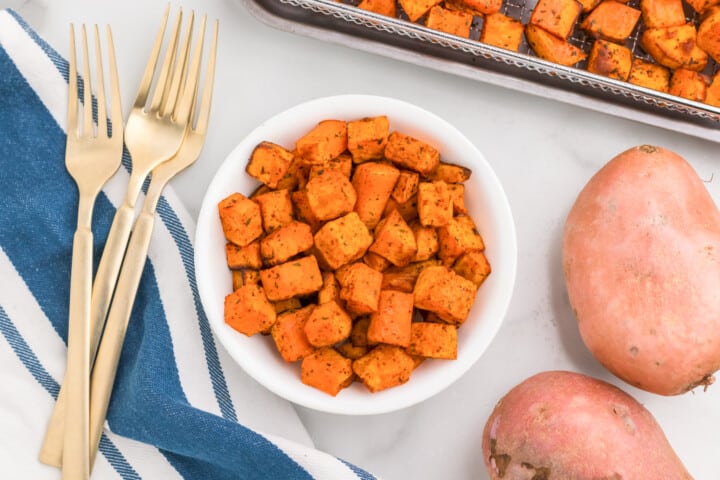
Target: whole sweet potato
[
  {"x": 567, "y": 426},
  {"x": 641, "y": 255}
]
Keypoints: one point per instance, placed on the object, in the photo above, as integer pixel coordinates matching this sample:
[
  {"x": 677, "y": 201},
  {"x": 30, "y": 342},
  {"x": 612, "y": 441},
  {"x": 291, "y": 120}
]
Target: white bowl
[{"x": 485, "y": 200}]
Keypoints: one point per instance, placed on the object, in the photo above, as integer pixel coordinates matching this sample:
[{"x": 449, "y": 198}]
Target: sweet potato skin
[
  {"x": 649, "y": 232},
  {"x": 547, "y": 423}
]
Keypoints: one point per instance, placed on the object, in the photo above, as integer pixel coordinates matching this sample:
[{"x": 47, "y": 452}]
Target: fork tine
[
  {"x": 116, "y": 118},
  {"x": 178, "y": 75},
  {"x": 149, "y": 73},
  {"x": 72, "y": 118},
  {"x": 100, "y": 95},
  {"x": 87, "y": 88},
  {"x": 206, "y": 101},
  {"x": 184, "y": 103},
  {"x": 163, "y": 81}
]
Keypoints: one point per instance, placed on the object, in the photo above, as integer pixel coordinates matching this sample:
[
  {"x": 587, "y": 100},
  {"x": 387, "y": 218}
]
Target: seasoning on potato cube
[
  {"x": 326, "y": 370},
  {"x": 269, "y": 163},
  {"x": 476, "y": 7},
  {"x": 551, "y": 48},
  {"x": 502, "y": 31},
  {"x": 457, "y": 237},
  {"x": 708, "y": 34},
  {"x": 426, "y": 239},
  {"x": 367, "y": 137},
  {"x": 373, "y": 183},
  {"x": 444, "y": 292},
  {"x": 649, "y": 75},
  {"x": 454, "y": 22},
  {"x": 323, "y": 143},
  {"x": 390, "y": 324},
  {"x": 556, "y": 17},
  {"x": 610, "y": 59},
  {"x": 394, "y": 240},
  {"x": 404, "y": 278},
  {"x": 375, "y": 261},
  {"x": 360, "y": 288},
  {"x": 474, "y": 266},
  {"x": 383, "y": 7},
  {"x": 243, "y": 257},
  {"x": 457, "y": 196},
  {"x": 327, "y": 325},
  {"x": 450, "y": 173},
  {"x": 407, "y": 210},
  {"x": 286, "y": 242},
  {"x": 712, "y": 95},
  {"x": 330, "y": 195},
  {"x": 411, "y": 153},
  {"x": 330, "y": 290},
  {"x": 417, "y": 8},
  {"x": 405, "y": 186},
  {"x": 244, "y": 276},
  {"x": 434, "y": 204},
  {"x": 383, "y": 367},
  {"x": 286, "y": 305},
  {"x": 294, "y": 278},
  {"x": 275, "y": 209},
  {"x": 674, "y": 47},
  {"x": 433, "y": 340},
  {"x": 612, "y": 21},
  {"x": 240, "y": 218},
  {"x": 688, "y": 84},
  {"x": 302, "y": 210},
  {"x": 288, "y": 332},
  {"x": 358, "y": 334},
  {"x": 248, "y": 311},
  {"x": 342, "y": 241},
  {"x": 702, "y": 6},
  {"x": 662, "y": 13},
  {"x": 342, "y": 164}
]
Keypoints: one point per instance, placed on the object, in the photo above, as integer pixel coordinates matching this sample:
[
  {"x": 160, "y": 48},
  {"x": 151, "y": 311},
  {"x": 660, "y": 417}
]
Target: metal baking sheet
[{"x": 344, "y": 24}]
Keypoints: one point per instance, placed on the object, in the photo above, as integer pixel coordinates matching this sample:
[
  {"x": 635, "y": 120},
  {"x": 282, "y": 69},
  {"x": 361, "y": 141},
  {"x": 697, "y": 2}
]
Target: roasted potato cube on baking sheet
[
  {"x": 342, "y": 241},
  {"x": 474, "y": 266},
  {"x": 501, "y": 31},
  {"x": 326, "y": 370},
  {"x": 275, "y": 208},
  {"x": 269, "y": 163},
  {"x": 434, "y": 204},
  {"x": 403, "y": 278},
  {"x": 426, "y": 239},
  {"x": 390, "y": 324},
  {"x": 411, "y": 153},
  {"x": 244, "y": 276},
  {"x": 674, "y": 47},
  {"x": 649, "y": 75},
  {"x": 612, "y": 21},
  {"x": 662, "y": 13},
  {"x": 551, "y": 48},
  {"x": 330, "y": 195},
  {"x": 688, "y": 84},
  {"x": 417, "y": 8},
  {"x": 360, "y": 288},
  {"x": 323, "y": 143},
  {"x": 394, "y": 240},
  {"x": 243, "y": 257},
  {"x": 383, "y": 7},
  {"x": 248, "y": 310},
  {"x": 445, "y": 293},
  {"x": 701, "y": 6},
  {"x": 712, "y": 94},
  {"x": 286, "y": 242},
  {"x": 288, "y": 332},
  {"x": 367, "y": 138},
  {"x": 476, "y": 7},
  {"x": 374, "y": 183},
  {"x": 556, "y": 16},
  {"x": 327, "y": 325},
  {"x": 610, "y": 59},
  {"x": 240, "y": 218},
  {"x": 454, "y": 22},
  {"x": 290, "y": 279},
  {"x": 433, "y": 340},
  {"x": 708, "y": 34},
  {"x": 383, "y": 367}
]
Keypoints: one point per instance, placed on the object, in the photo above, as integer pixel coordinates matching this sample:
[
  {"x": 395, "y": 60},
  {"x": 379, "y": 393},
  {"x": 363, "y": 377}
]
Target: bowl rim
[{"x": 312, "y": 112}]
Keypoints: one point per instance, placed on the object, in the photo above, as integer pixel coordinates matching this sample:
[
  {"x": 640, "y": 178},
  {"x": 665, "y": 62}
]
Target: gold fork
[{"x": 91, "y": 158}]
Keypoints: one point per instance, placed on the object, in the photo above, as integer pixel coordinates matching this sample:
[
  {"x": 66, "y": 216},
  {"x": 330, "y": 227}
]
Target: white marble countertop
[{"x": 542, "y": 151}]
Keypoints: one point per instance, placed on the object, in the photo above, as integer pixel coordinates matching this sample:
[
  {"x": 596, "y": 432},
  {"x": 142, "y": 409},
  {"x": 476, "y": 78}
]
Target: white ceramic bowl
[{"x": 485, "y": 200}]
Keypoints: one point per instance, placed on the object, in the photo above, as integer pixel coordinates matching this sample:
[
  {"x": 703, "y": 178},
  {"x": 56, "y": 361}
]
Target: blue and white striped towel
[{"x": 190, "y": 412}]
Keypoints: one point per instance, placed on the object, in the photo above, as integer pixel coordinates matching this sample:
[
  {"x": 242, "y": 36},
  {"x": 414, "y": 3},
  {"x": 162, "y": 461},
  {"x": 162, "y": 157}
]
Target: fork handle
[{"x": 108, "y": 353}]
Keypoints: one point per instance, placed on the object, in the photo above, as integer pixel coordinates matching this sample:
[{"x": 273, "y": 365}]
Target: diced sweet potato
[
  {"x": 367, "y": 138},
  {"x": 275, "y": 208},
  {"x": 326, "y": 370},
  {"x": 390, "y": 324},
  {"x": 712, "y": 95},
  {"x": 454, "y": 22},
  {"x": 269, "y": 163},
  {"x": 589, "y": 5},
  {"x": 551, "y": 48},
  {"x": 245, "y": 276},
  {"x": 476, "y": 7},
  {"x": 373, "y": 183},
  {"x": 286, "y": 242},
  {"x": 360, "y": 288},
  {"x": 405, "y": 186},
  {"x": 610, "y": 59},
  {"x": 327, "y": 325},
  {"x": 240, "y": 218},
  {"x": 460, "y": 235},
  {"x": 323, "y": 143},
  {"x": 403, "y": 278},
  {"x": 434, "y": 204},
  {"x": 243, "y": 257},
  {"x": 348, "y": 350},
  {"x": 394, "y": 240},
  {"x": 556, "y": 17},
  {"x": 383, "y": 7},
  {"x": 708, "y": 34},
  {"x": 288, "y": 332},
  {"x": 383, "y": 367},
  {"x": 358, "y": 334},
  {"x": 688, "y": 84},
  {"x": 407, "y": 210},
  {"x": 649, "y": 75},
  {"x": 662, "y": 13},
  {"x": 330, "y": 195},
  {"x": 473, "y": 266},
  {"x": 701, "y": 6},
  {"x": 442, "y": 291},
  {"x": 613, "y": 21},
  {"x": 303, "y": 211},
  {"x": 674, "y": 47},
  {"x": 417, "y": 8},
  {"x": 342, "y": 241},
  {"x": 342, "y": 164},
  {"x": 433, "y": 340},
  {"x": 330, "y": 290},
  {"x": 450, "y": 173},
  {"x": 376, "y": 262},
  {"x": 286, "y": 305},
  {"x": 248, "y": 311},
  {"x": 411, "y": 153},
  {"x": 294, "y": 278},
  {"x": 426, "y": 239},
  {"x": 502, "y": 31},
  {"x": 457, "y": 195}
]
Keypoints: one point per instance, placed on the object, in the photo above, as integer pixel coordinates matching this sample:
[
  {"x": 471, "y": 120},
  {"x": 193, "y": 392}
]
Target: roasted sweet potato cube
[
  {"x": 434, "y": 204},
  {"x": 417, "y": 8},
  {"x": 383, "y": 7},
  {"x": 447, "y": 294},
  {"x": 367, "y": 138},
  {"x": 245, "y": 276},
  {"x": 327, "y": 325},
  {"x": 474, "y": 266},
  {"x": 342, "y": 164},
  {"x": 411, "y": 153},
  {"x": 457, "y": 195},
  {"x": 290, "y": 279},
  {"x": 373, "y": 183},
  {"x": 302, "y": 210},
  {"x": 712, "y": 95},
  {"x": 383, "y": 367},
  {"x": 326, "y": 370},
  {"x": 426, "y": 239},
  {"x": 403, "y": 278},
  {"x": 454, "y": 22},
  {"x": 502, "y": 31},
  {"x": 708, "y": 34},
  {"x": 674, "y": 47},
  {"x": 433, "y": 340},
  {"x": 701, "y": 6},
  {"x": 394, "y": 240},
  {"x": 323, "y": 143},
  {"x": 360, "y": 288},
  {"x": 288, "y": 332},
  {"x": 662, "y": 13},
  {"x": 286, "y": 305},
  {"x": 240, "y": 218},
  {"x": 248, "y": 310},
  {"x": 269, "y": 163},
  {"x": 405, "y": 186},
  {"x": 612, "y": 21},
  {"x": 476, "y": 7},
  {"x": 348, "y": 350},
  {"x": 649, "y": 75},
  {"x": 243, "y": 257},
  {"x": 390, "y": 324},
  {"x": 460, "y": 235},
  {"x": 408, "y": 210},
  {"x": 358, "y": 334},
  {"x": 330, "y": 195},
  {"x": 286, "y": 242},
  {"x": 342, "y": 241},
  {"x": 610, "y": 59},
  {"x": 556, "y": 17},
  {"x": 688, "y": 84},
  {"x": 330, "y": 290},
  {"x": 276, "y": 209},
  {"x": 450, "y": 173},
  {"x": 551, "y": 48},
  {"x": 589, "y": 5}
]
